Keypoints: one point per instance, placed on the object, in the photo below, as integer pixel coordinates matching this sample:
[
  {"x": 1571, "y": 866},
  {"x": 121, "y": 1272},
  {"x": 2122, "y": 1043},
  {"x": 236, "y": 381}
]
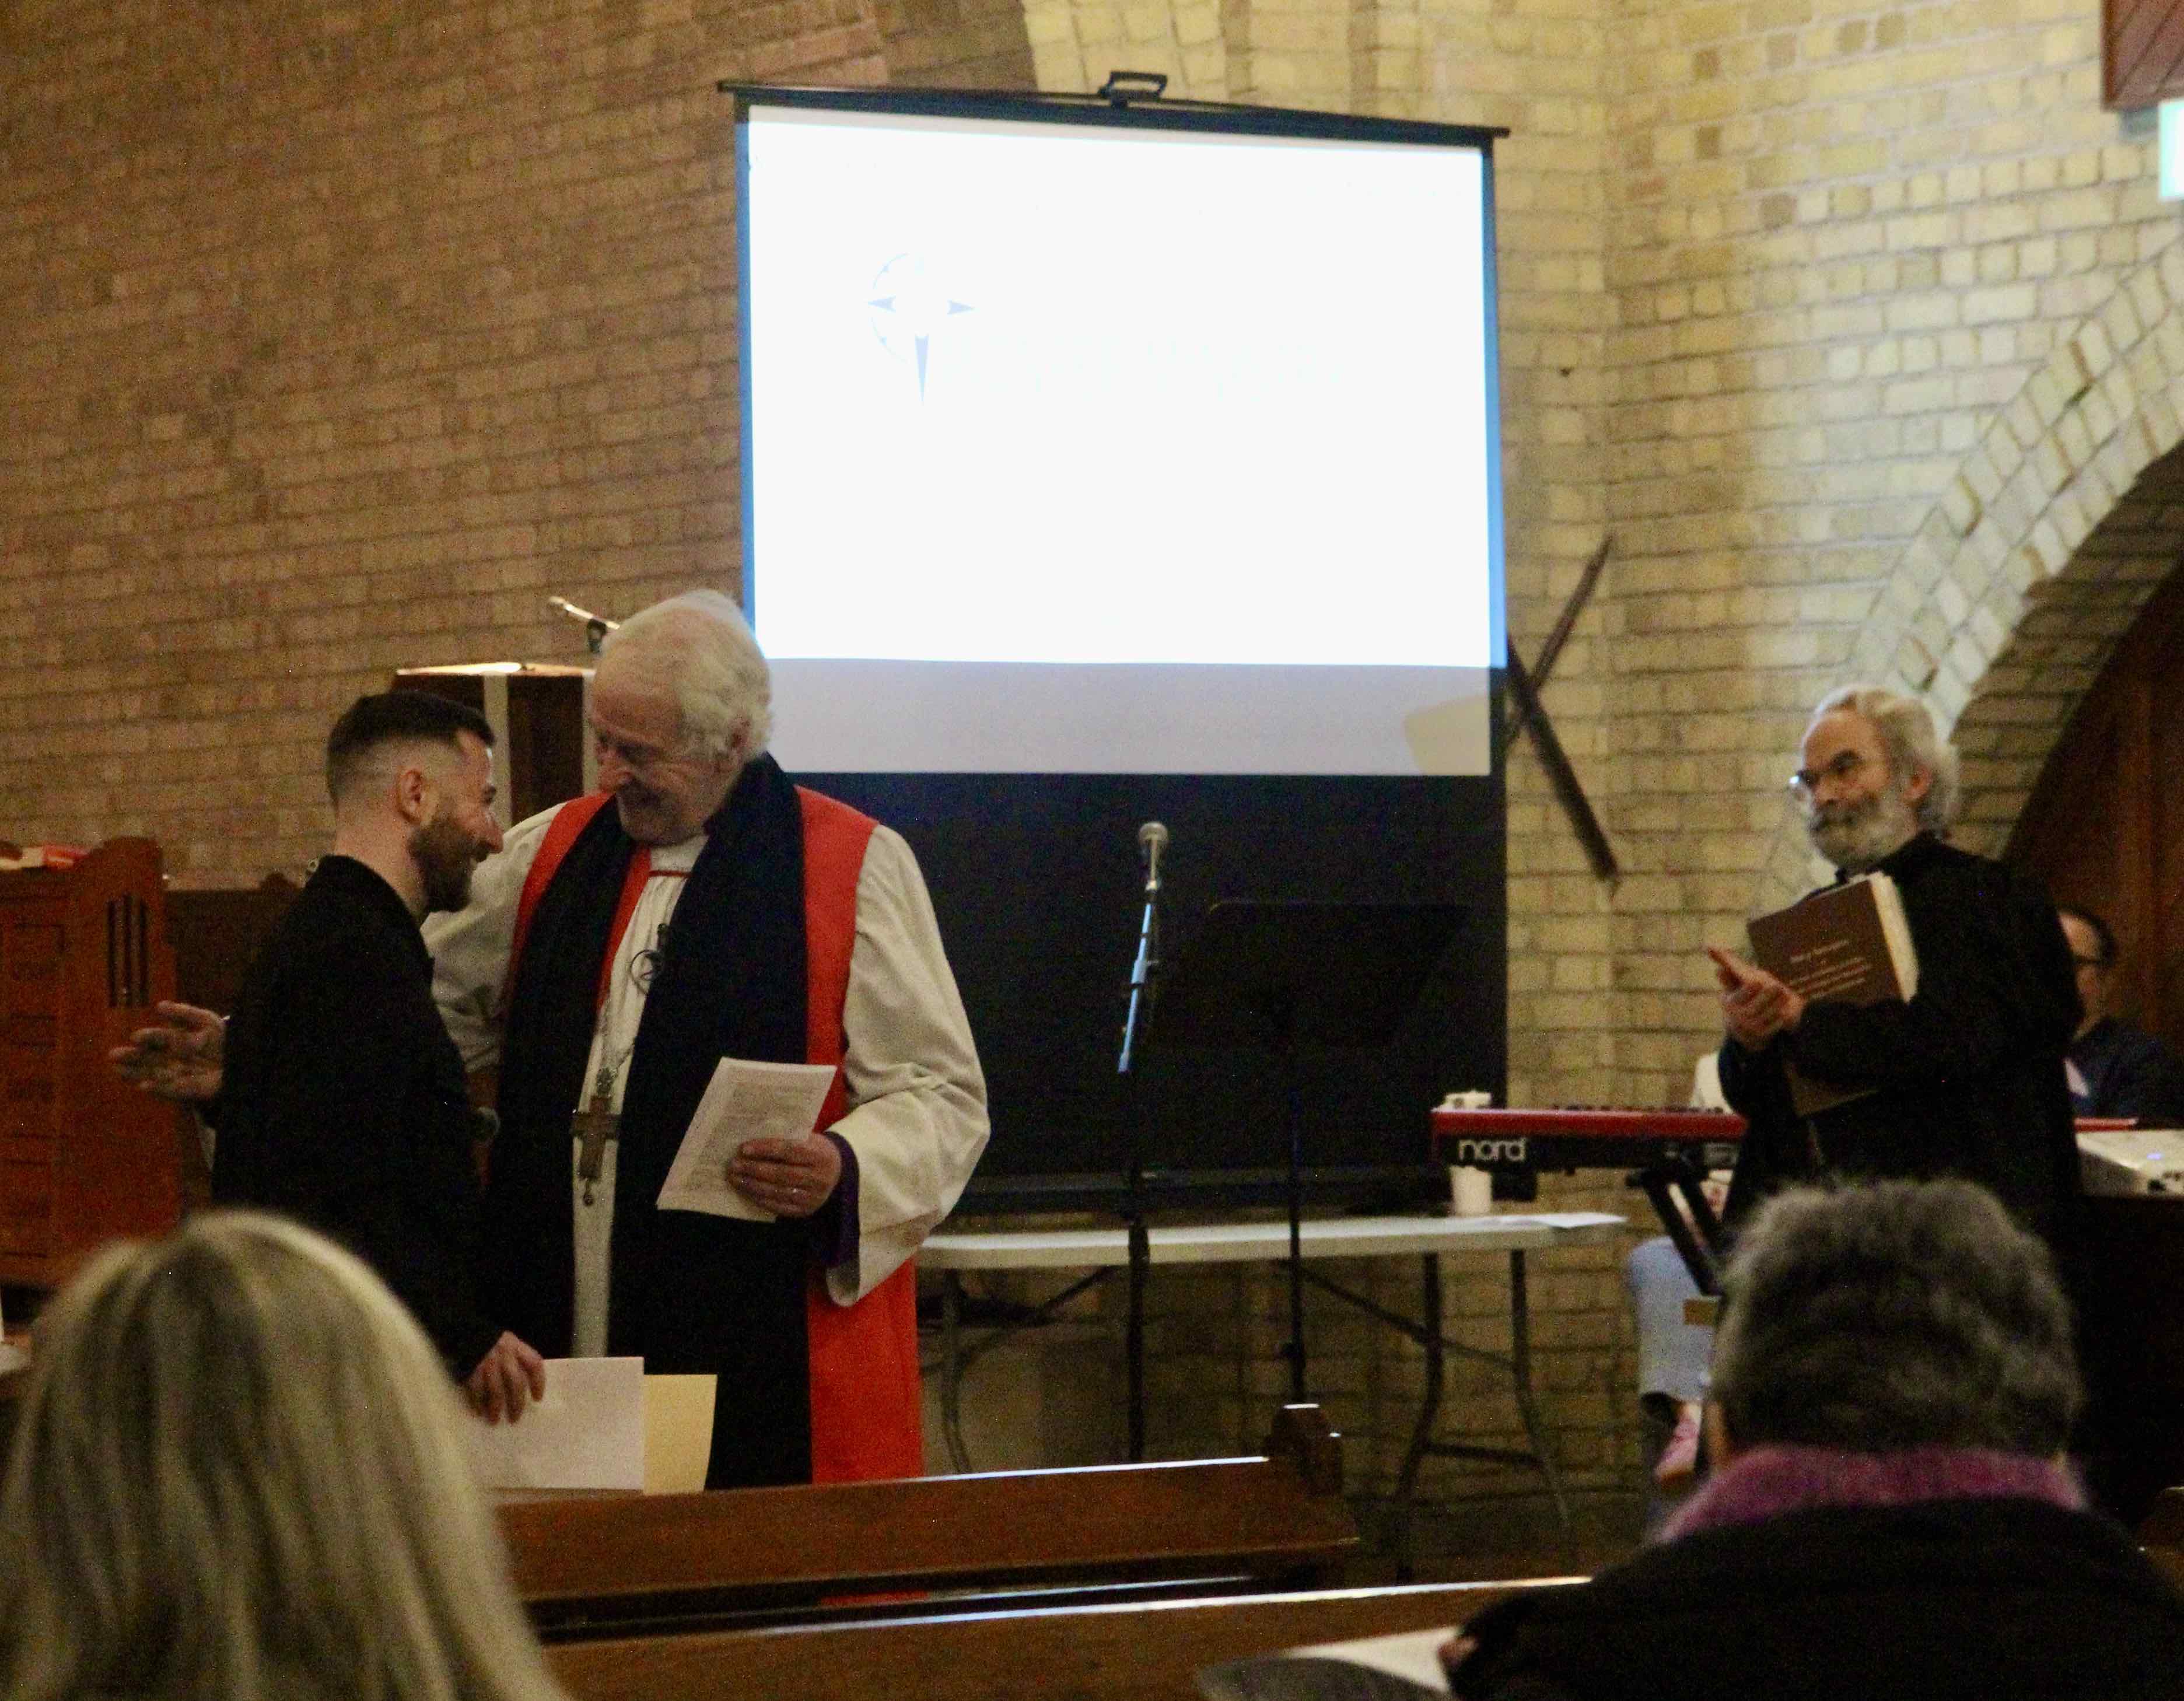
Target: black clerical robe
[
  {"x": 1966, "y": 1078},
  {"x": 773, "y": 895},
  {"x": 342, "y": 1102}
]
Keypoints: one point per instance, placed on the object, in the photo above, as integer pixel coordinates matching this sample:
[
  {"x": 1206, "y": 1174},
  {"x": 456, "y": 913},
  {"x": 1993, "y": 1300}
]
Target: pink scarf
[{"x": 1769, "y": 1481}]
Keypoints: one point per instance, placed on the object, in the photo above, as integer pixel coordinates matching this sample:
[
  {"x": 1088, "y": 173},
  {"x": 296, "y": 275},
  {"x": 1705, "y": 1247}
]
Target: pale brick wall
[
  {"x": 1853, "y": 324},
  {"x": 338, "y": 338}
]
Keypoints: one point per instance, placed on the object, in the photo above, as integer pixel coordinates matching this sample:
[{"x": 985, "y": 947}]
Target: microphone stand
[{"x": 1143, "y": 973}]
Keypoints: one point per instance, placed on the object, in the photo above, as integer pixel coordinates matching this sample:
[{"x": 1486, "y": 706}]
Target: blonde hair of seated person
[{"x": 238, "y": 1474}]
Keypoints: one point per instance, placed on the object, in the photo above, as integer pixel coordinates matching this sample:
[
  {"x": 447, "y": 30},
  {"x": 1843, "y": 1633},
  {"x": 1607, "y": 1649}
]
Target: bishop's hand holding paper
[{"x": 750, "y": 1151}]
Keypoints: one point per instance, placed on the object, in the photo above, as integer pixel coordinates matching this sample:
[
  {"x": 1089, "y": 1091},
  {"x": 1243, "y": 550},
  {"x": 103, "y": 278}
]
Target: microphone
[
  {"x": 596, "y": 626},
  {"x": 1152, "y": 840}
]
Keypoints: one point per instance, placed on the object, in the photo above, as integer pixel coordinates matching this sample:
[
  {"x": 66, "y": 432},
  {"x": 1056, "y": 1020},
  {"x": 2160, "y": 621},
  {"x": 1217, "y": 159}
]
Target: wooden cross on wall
[{"x": 1527, "y": 714}]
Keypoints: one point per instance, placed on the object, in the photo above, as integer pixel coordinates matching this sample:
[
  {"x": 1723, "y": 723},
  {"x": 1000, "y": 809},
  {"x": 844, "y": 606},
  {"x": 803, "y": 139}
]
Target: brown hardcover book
[{"x": 1848, "y": 944}]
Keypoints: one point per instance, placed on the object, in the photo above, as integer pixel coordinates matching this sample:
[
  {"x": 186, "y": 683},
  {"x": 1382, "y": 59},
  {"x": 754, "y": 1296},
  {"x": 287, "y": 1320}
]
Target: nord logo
[{"x": 1475, "y": 1153}]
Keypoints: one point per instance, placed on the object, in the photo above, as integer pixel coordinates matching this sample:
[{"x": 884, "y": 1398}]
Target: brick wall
[
  {"x": 1853, "y": 324},
  {"x": 339, "y": 338}
]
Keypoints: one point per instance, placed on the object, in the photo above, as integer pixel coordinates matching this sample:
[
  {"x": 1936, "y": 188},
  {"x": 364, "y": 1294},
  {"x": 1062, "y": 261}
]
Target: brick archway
[{"x": 2057, "y": 527}]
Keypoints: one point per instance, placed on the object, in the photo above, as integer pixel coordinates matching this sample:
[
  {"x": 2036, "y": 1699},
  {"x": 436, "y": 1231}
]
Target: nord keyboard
[
  {"x": 1587, "y": 1139},
  {"x": 1666, "y": 1152}
]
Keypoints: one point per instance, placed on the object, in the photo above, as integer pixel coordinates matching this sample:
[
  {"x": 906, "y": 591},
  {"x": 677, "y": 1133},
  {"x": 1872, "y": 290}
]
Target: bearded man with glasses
[{"x": 1966, "y": 1077}]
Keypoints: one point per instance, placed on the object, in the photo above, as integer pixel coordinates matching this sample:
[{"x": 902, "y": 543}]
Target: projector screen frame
[
  {"x": 1159, "y": 112},
  {"x": 1393, "y": 1171}
]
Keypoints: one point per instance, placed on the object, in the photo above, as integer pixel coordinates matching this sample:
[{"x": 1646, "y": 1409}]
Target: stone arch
[{"x": 2064, "y": 519}]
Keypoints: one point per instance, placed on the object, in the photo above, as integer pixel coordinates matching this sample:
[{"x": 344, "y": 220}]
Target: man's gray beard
[{"x": 1861, "y": 836}]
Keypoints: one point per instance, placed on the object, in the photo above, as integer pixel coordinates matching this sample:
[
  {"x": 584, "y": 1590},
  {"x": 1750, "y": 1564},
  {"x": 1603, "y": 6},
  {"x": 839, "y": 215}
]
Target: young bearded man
[{"x": 336, "y": 1096}]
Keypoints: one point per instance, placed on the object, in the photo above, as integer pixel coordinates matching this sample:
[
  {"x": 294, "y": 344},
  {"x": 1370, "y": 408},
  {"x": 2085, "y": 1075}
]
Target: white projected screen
[{"x": 1073, "y": 449}]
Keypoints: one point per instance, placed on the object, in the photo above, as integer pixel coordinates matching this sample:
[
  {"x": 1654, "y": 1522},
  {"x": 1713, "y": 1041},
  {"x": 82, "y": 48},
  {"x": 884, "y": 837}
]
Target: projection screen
[{"x": 1110, "y": 442}]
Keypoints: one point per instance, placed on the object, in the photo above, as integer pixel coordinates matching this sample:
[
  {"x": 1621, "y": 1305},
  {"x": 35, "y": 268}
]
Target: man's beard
[
  {"x": 1857, "y": 837},
  {"x": 445, "y": 856}
]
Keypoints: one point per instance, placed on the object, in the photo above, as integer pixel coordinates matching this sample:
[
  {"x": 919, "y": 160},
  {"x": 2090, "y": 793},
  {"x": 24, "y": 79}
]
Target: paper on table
[
  {"x": 589, "y": 1432},
  {"x": 743, "y": 1101},
  {"x": 1412, "y": 1654},
  {"x": 1404, "y": 1667},
  {"x": 678, "y": 1433}
]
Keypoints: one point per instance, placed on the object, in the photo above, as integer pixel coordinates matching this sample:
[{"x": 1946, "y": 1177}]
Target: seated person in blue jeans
[{"x": 1672, "y": 1353}]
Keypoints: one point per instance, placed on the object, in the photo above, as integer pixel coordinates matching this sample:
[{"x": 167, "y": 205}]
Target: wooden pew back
[
  {"x": 1140, "y": 1653},
  {"x": 1277, "y": 1520}
]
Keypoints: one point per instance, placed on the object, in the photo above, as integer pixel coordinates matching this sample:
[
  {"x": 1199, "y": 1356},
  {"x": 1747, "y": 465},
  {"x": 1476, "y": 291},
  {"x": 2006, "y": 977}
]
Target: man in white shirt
[{"x": 611, "y": 957}]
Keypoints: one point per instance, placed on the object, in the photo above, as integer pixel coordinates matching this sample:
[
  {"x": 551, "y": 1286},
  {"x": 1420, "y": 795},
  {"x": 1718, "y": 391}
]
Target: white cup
[{"x": 1470, "y": 1191}]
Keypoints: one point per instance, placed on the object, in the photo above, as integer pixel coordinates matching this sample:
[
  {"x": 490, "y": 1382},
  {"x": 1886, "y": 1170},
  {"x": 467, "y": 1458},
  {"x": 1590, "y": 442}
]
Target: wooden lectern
[{"x": 84, "y": 1155}]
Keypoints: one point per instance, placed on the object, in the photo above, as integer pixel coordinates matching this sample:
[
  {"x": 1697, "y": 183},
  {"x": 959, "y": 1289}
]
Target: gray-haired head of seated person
[{"x": 1885, "y": 1316}]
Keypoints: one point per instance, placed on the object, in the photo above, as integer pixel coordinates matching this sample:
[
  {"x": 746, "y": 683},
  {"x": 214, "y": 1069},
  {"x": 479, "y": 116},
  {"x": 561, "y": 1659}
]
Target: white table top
[{"x": 1213, "y": 1243}]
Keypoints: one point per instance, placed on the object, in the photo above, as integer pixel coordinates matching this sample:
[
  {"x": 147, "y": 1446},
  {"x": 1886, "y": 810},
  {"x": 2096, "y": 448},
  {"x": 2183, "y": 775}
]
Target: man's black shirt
[{"x": 342, "y": 1102}]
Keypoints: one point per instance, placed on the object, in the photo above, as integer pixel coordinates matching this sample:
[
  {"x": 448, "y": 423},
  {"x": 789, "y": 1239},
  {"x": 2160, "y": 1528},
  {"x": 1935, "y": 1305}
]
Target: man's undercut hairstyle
[
  {"x": 1891, "y": 1315},
  {"x": 2105, "y": 940},
  {"x": 698, "y": 649},
  {"x": 370, "y": 724},
  {"x": 1910, "y": 742},
  {"x": 239, "y": 1470}
]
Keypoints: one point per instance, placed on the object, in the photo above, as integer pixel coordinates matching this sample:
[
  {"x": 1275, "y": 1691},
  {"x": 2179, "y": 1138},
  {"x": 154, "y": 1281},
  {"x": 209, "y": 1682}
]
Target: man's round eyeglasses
[{"x": 1807, "y": 780}]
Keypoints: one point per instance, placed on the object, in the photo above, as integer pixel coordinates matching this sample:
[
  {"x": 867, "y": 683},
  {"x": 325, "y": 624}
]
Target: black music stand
[{"x": 1294, "y": 977}]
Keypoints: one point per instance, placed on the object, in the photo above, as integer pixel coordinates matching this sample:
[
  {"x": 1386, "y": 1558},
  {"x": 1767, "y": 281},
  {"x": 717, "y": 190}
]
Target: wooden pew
[
  {"x": 657, "y": 1562},
  {"x": 1138, "y": 1653}
]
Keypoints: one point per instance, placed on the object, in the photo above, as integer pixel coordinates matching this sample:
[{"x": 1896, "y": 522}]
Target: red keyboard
[{"x": 1586, "y": 1139}]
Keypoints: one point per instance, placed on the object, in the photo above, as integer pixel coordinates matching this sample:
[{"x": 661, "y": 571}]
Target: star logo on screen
[{"x": 909, "y": 309}]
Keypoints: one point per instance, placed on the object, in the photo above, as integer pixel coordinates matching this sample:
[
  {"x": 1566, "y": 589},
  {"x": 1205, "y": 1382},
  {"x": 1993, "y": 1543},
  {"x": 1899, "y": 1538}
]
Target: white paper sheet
[
  {"x": 743, "y": 1101},
  {"x": 1405, "y": 1667},
  {"x": 1414, "y": 1654},
  {"x": 589, "y": 1432}
]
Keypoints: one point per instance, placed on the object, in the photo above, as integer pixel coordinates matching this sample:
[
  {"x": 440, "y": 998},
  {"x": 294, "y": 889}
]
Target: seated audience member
[
  {"x": 2114, "y": 1069},
  {"x": 239, "y": 1474},
  {"x": 1673, "y": 1354},
  {"x": 1672, "y": 1361},
  {"x": 1890, "y": 1514}
]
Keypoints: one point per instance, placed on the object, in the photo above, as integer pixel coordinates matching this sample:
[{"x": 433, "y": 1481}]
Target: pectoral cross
[{"x": 595, "y": 1124}]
